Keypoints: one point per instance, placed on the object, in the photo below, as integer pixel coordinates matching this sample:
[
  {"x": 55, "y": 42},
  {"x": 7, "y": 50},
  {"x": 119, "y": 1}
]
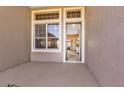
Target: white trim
[
  {"x": 46, "y": 10},
  {"x": 46, "y": 22},
  {"x": 46, "y": 36},
  {"x": 82, "y": 20},
  {"x": 83, "y": 35},
  {"x": 32, "y": 33},
  {"x": 73, "y": 62}
]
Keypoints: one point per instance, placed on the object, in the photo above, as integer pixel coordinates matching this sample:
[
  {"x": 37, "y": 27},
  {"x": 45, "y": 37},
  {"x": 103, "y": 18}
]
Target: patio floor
[{"x": 44, "y": 74}]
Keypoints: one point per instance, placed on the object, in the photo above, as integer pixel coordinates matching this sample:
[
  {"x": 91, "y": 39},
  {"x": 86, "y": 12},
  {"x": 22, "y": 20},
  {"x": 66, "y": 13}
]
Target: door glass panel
[{"x": 73, "y": 41}]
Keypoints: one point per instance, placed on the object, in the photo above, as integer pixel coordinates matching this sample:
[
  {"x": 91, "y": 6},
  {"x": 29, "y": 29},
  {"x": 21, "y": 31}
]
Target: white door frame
[{"x": 75, "y": 20}]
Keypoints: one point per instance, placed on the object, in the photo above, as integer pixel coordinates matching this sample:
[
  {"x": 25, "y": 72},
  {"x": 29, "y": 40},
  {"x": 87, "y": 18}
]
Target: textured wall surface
[
  {"x": 105, "y": 44},
  {"x": 14, "y": 36},
  {"x": 47, "y": 57}
]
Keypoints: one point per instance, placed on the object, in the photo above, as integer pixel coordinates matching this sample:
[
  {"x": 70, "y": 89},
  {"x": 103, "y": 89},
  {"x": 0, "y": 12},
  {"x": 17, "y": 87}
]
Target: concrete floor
[{"x": 41, "y": 74}]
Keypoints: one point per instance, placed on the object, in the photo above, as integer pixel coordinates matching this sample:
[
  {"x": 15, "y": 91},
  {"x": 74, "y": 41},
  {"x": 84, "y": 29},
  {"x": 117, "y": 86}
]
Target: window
[
  {"x": 46, "y": 33},
  {"x": 74, "y": 14},
  {"x": 47, "y": 25},
  {"x": 49, "y": 34},
  {"x": 47, "y": 16}
]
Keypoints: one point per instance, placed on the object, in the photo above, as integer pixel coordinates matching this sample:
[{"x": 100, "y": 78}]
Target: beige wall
[
  {"x": 14, "y": 36},
  {"x": 105, "y": 44}
]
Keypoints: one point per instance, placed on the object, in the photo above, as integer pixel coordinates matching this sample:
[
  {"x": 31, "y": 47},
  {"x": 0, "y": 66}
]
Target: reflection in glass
[
  {"x": 53, "y": 30},
  {"x": 53, "y": 43},
  {"x": 40, "y": 43},
  {"x": 40, "y": 30}
]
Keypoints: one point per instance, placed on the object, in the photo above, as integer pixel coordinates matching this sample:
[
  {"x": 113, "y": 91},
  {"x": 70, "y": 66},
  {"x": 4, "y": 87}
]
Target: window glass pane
[
  {"x": 40, "y": 30},
  {"x": 53, "y": 30},
  {"x": 74, "y": 14},
  {"x": 40, "y": 43},
  {"x": 47, "y": 16},
  {"x": 53, "y": 43}
]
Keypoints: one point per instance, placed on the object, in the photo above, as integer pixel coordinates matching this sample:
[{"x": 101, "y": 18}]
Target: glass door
[{"x": 73, "y": 42}]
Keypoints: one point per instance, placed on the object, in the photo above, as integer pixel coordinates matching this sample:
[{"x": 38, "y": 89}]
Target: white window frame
[
  {"x": 71, "y": 20},
  {"x": 52, "y": 21}
]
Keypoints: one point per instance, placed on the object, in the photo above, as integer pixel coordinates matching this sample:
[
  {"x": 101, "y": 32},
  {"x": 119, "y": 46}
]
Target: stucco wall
[
  {"x": 105, "y": 44},
  {"x": 14, "y": 36}
]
